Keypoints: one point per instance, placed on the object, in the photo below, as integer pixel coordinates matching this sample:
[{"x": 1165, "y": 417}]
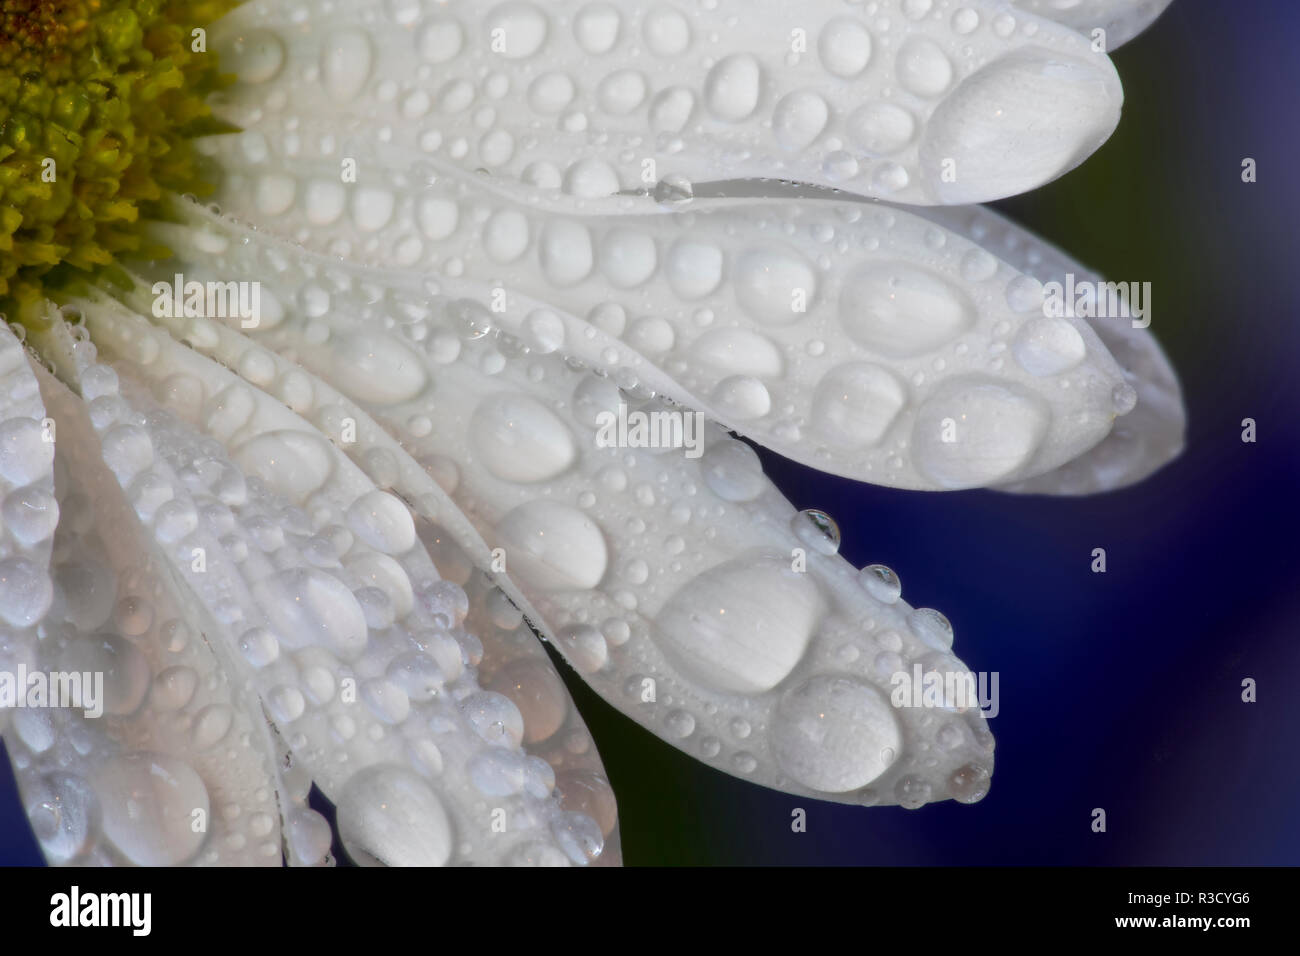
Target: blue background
[{"x": 1118, "y": 690}]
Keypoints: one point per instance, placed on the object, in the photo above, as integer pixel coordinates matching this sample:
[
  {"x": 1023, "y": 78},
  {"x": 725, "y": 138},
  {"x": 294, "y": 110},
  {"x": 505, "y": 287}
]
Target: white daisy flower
[{"x": 288, "y": 481}]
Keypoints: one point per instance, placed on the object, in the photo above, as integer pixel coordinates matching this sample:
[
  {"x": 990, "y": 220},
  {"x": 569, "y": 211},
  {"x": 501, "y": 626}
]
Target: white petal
[
  {"x": 513, "y": 664},
  {"x": 921, "y": 105},
  {"x": 290, "y": 552},
  {"x": 1121, "y": 19},
  {"x": 165, "y": 762},
  {"x": 863, "y": 341},
  {"x": 1142, "y": 441},
  {"x": 634, "y": 558}
]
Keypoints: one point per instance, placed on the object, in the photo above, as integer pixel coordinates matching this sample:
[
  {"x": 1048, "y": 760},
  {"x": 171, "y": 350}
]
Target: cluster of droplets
[
  {"x": 293, "y": 511},
  {"x": 846, "y": 337},
  {"x": 154, "y": 766},
  {"x": 667, "y": 581},
  {"x": 318, "y": 590},
  {"x": 574, "y": 97}
]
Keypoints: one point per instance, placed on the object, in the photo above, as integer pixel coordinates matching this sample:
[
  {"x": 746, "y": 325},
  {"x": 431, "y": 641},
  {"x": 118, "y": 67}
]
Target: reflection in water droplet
[
  {"x": 881, "y": 583},
  {"x": 817, "y": 530}
]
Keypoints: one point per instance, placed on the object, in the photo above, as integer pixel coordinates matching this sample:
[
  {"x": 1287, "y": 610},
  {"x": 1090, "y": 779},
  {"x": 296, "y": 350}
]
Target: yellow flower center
[{"x": 99, "y": 103}]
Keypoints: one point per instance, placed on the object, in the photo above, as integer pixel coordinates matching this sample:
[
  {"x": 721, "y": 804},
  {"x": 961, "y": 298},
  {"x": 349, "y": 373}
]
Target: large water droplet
[
  {"x": 345, "y": 63},
  {"x": 776, "y": 286},
  {"x": 519, "y": 439},
  {"x": 64, "y": 813},
  {"x": 733, "y": 471},
  {"x": 902, "y": 311},
  {"x": 389, "y": 816},
  {"x": 376, "y": 369},
  {"x": 124, "y": 668},
  {"x": 293, "y": 463},
  {"x": 382, "y": 521},
  {"x": 539, "y": 694},
  {"x": 733, "y": 87},
  {"x": 742, "y": 626},
  {"x": 553, "y": 546},
  {"x": 835, "y": 734},
  {"x": 973, "y": 433},
  {"x": 1048, "y": 346},
  {"x": 844, "y": 47},
  {"x": 309, "y": 607},
  {"x": 856, "y": 404},
  {"x": 149, "y": 803}
]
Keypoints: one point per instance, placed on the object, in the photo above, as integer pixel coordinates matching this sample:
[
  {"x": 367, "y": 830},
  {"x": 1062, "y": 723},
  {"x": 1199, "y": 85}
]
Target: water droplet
[
  {"x": 310, "y": 607},
  {"x": 912, "y": 792},
  {"x": 733, "y": 87},
  {"x": 844, "y": 47},
  {"x": 743, "y": 626},
  {"x": 579, "y": 836},
  {"x": 148, "y": 802},
  {"x": 974, "y": 432},
  {"x": 923, "y": 68},
  {"x": 969, "y": 783},
  {"x": 776, "y": 286},
  {"x": 817, "y": 530},
  {"x": 834, "y": 734},
  {"x": 383, "y": 522},
  {"x": 881, "y": 583},
  {"x": 25, "y": 592},
  {"x": 1048, "y": 346},
  {"x": 346, "y": 58},
  {"x": 742, "y": 398},
  {"x": 553, "y": 546},
  {"x": 30, "y": 514},
  {"x": 680, "y": 724},
  {"x": 932, "y": 628},
  {"x": 856, "y": 404},
  {"x": 389, "y": 816},
  {"x": 902, "y": 311},
  {"x": 64, "y": 813},
  {"x": 733, "y": 471},
  {"x": 585, "y": 791},
  {"x": 376, "y": 369},
  {"x": 495, "y": 718},
  {"x": 519, "y": 439},
  {"x": 585, "y": 647},
  {"x": 539, "y": 694}
]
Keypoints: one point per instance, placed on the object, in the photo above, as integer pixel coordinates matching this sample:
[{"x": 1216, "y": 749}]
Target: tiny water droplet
[
  {"x": 932, "y": 628},
  {"x": 818, "y": 530},
  {"x": 881, "y": 583}
]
